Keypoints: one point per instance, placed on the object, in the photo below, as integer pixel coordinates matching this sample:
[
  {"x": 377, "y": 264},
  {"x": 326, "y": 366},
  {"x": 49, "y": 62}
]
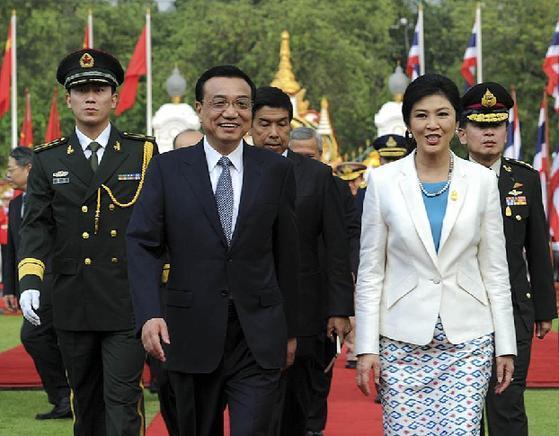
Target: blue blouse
[{"x": 436, "y": 209}]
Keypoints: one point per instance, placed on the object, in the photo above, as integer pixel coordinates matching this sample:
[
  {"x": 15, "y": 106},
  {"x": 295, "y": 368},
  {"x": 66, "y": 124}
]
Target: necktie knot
[
  {"x": 94, "y": 146},
  {"x": 224, "y": 162}
]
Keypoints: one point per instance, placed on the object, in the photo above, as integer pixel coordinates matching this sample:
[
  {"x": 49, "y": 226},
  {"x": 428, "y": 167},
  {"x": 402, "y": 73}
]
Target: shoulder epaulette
[
  {"x": 42, "y": 147},
  {"x": 138, "y": 137},
  {"x": 520, "y": 163}
]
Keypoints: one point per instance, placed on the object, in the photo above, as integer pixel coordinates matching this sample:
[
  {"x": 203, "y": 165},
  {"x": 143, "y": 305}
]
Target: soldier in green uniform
[
  {"x": 81, "y": 191},
  {"x": 483, "y": 129}
]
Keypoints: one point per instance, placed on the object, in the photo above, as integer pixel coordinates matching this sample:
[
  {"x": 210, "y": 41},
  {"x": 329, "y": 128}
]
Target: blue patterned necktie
[{"x": 224, "y": 198}]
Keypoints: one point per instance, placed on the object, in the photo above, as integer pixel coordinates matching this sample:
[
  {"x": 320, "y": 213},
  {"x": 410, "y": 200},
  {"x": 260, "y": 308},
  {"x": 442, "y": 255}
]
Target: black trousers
[
  {"x": 505, "y": 413},
  {"x": 41, "y": 343},
  {"x": 239, "y": 382},
  {"x": 167, "y": 402},
  {"x": 104, "y": 371}
]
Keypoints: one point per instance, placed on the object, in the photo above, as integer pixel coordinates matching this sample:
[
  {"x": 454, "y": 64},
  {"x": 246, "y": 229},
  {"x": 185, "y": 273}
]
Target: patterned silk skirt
[{"x": 436, "y": 389}]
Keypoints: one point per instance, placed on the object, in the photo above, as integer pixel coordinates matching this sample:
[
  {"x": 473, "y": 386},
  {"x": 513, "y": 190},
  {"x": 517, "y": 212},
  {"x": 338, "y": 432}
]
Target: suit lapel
[
  {"x": 456, "y": 196},
  {"x": 252, "y": 174},
  {"x": 75, "y": 160},
  {"x": 416, "y": 207},
  {"x": 299, "y": 177},
  {"x": 112, "y": 159},
  {"x": 195, "y": 170}
]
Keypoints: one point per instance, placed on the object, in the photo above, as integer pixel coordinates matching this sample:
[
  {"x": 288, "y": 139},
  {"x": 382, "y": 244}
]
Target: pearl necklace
[{"x": 446, "y": 185}]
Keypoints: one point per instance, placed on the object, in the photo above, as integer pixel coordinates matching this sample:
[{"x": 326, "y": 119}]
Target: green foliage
[
  {"x": 343, "y": 50},
  {"x": 11, "y": 326}
]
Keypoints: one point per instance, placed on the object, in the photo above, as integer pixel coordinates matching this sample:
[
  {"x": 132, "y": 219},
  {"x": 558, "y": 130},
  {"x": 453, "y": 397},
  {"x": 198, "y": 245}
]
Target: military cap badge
[
  {"x": 488, "y": 99},
  {"x": 87, "y": 61}
]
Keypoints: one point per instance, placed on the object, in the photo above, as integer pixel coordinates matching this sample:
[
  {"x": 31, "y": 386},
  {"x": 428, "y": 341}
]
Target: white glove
[{"x": 29, "y": 302}]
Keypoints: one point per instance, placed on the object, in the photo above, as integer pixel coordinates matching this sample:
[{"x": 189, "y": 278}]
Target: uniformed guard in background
[
  {"x": 483, "y": 129},
  {"x": 81, "y": 191},
  {"x": 391, "y": 147}
]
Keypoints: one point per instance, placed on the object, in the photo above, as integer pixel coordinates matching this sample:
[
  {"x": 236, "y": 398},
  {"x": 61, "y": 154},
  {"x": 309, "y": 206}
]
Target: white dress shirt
[
  {"x": 236, "y": 170},
  {"x": 102, "y": 140}
]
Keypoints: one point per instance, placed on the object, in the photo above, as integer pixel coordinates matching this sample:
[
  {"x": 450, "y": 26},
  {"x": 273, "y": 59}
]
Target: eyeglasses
[{"x": 221, "y": 104}]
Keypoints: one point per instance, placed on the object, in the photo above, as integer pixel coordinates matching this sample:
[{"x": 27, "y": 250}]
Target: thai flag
[
  {"x": 469, "y": 65},
  {"x": 541, "y": 158},
  {"x": 551, "y": 68},
  {"x": 414, "y": 67},
  {"x": 513, "y": 147},
  {"x": 554, "y": 196}
]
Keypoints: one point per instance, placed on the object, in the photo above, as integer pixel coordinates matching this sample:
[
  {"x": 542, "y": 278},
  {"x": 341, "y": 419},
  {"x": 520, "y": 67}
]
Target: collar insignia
[
  {"x": 117, "y": 146},
  {"x": 507, "y": 168},
  {"x": 70, "y": 149}
]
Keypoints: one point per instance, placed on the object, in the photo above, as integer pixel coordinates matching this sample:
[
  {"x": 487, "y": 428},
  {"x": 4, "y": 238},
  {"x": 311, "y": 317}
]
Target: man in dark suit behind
[
  {"x": 41, "y": 341},
  {"x": 483, "y": 129},
  {"x": 224, "y": 213},
  {"x": 323, "y": 310}
]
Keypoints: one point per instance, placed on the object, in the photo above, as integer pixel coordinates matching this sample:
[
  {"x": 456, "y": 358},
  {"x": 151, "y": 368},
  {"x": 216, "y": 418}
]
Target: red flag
[
  {"x": 53, "y": 127},
  {"x": 6, "y": 75},
  {"x": 136, "y": 69},
  {"x": 26, "y": 134},
  {"x": 86, "y": 42}
]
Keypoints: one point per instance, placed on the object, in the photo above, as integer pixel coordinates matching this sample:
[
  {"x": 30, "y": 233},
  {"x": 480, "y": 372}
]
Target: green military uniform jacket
[
  {"x": 81, "y": 217},
  {"x": 527, "y": 241}
]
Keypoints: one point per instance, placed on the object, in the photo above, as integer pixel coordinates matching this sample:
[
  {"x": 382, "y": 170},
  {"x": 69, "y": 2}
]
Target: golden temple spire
[
  {"x": 285, "y": 79},
  {"x": 330, "y": 148}
]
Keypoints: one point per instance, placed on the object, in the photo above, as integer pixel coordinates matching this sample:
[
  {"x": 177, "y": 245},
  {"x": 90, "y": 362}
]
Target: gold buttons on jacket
[
  {"x": 85, "y": 235},
  {"x": 528, "y": 295},
  {"x": 113, "y": 233},
  {"x": 114, "y": 260},
  {"x": 84, "y": 209},
  {"x": 111, "y": 206},
  {"x": 518, "y": 218},
  {"x": 87, "y": 261}
]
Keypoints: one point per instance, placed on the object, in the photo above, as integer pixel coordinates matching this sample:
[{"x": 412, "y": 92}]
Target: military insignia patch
[
  {"x": 488, "y": 99},
  {"x": 70, "y": 149},
  {"x": 87, "y": 61},
  {"x": 131, "y": 176},
  {"x": 60, "y": 180},
  {"x": 117, "y": 146},
  {"x": 60, "y": 173},
  {"x": 518, "y": 185},
  {"x": 516, "y": 201}
]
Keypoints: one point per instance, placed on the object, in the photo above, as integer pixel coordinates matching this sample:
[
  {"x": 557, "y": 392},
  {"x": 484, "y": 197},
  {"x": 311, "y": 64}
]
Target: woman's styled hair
[{"x": 425, "y": 86}]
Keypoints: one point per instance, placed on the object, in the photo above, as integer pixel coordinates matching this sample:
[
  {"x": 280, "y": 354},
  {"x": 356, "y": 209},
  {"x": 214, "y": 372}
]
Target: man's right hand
[
  {"x": 291, "y": 349},
  {"x": 10, "y": 301},
  {"x": 29, "y": 302},
  {"x": 153, "y": 332}
]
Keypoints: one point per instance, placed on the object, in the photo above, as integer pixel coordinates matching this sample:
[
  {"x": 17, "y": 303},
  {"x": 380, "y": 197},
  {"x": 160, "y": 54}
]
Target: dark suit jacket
[
  {"x": 352, "y": 221},
  {"x": 9, "y": 274},
  {"x": 320, "y": 218},
  {"x": 526, "y": 230},
  {"x": 177, "y": 214},
  {"x": 91, "y": 290}
]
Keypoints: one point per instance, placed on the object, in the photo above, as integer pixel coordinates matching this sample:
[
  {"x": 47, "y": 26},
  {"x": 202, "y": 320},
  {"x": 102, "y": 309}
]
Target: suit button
[
  {"x": 229, "y": 259},
  {"x": 518, "y": 218},
  {"x": 113, "y": 233},
  {"x": 114, "y": 260},
  {"x": 84, "y": 209},
  {"x": 111, "y": 206},
  {"x": 85, "y": 235},
  {"x": 528, "y": 295},
  {"x": 87, "y": 261},
  {"x": 225, "y": 293},
  {"x": 436, "y": 281}
]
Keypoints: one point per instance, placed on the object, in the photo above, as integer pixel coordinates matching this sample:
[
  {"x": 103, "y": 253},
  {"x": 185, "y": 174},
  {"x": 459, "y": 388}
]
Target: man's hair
[
  {"x": 222, "y": 71},
  {"x": 304, "y": 133},
  {"x": 22, "y": 155},
  {"x": 272, "y": 97}
]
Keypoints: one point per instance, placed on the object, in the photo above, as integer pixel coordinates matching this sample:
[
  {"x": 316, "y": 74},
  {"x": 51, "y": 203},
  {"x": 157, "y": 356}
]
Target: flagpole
[
  {"x": 148, "y": 73},
  {"x": 90, "y": 28},
  {"x": 14, "y": 82},
  {"x": 479, "y": 69},
  {"x": 421, "y": 46}
]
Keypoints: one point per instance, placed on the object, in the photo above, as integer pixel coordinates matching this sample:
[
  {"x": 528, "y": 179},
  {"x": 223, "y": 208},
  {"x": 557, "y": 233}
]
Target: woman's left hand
[{"x": 505, "y": 369}]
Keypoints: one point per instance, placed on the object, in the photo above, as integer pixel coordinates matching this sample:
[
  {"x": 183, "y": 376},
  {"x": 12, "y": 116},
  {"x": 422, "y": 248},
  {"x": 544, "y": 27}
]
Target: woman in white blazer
[{"x": 433, "y": 303}]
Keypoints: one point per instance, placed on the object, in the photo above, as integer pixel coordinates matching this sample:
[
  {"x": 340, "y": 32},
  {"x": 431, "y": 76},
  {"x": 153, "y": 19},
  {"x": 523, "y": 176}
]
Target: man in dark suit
[
  {"x": 40, "y": 342},
  {"x": 307, "y": 142},
  {"x": 224, "y": 213},
  {"x": 483, "y": 129},
  {"x": 80, "y": 195},
  {"x": 319, "y": 219}
]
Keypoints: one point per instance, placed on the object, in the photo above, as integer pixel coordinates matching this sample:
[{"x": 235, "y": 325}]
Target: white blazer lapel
[
  {"x": 416, "y": 207},
  {"x": 456, "y": 196}
]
